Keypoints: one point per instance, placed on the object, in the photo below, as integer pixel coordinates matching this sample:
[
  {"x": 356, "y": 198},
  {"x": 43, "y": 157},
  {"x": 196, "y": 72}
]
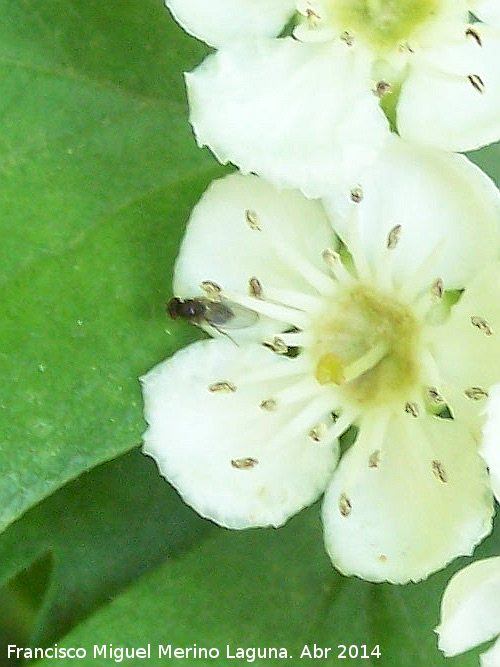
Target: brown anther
[
  {"x": 476, "y": 393},
  {"x": 211, "y": 289},
  {"x": 278, "y": 345},
  {"x": 331, "y": 257},
  {"x": 347, "y": 38},
  {"x": 374, "y": 460},
  {"x": 482, "y": 325},
  {"x": 412, "y": 409},
  {"x": 437, "y": 288},
  {"x": 435, "y": 396},
  {"x": 345, "y": 506},
  {"x": 382, "y": 88},
  {"x": 382, "y": 558},
  {"x": 393, "y": 237},
  {"x": 357, "y": 194},
  {"x": 268, "y": 404},
  {"x": 255, "y": 288},
  {"x": 252, "y": 220},
  {"x": 223, "y": 386},
  {"x": 244, "y": 464},
  {"x": 439, "y": 471},
  {"x": 317, "y": 432},
  {"x": 472, "y": 32},
  {"x": 476, "y": 82},
  {"x": 313, "y": 17}
]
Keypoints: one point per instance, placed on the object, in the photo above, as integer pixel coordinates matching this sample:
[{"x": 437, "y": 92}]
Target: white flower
[
  {"x": 490, "y": 445},
  {"x": 306, "y": 111},
  {"x": 246, "y": 426},
  {"x": 470, "y": 611}
]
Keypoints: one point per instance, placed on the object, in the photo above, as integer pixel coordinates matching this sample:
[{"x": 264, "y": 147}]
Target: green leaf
[
  {"x": 269, "y": 588},
  {"x": 94, "y": 201}
]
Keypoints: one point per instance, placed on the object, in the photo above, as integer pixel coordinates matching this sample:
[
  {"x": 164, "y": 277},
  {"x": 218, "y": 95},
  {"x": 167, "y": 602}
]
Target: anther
[
  {"x": 439, "y": 471},
  {"x": 313, "y": 17},
  {"x": 435, "y": 396},
  {"x": 252, "y": 220},
  {"x": 476, "y": 82},
  {"x": 472, "y": 32},
  {"x": 331, "y": 257},
  {"x": 412, "y": 409},
  {"x": 437, "y": 288},
  {"x": 211, "y": 289},
  {"x": 476, "y": 393},
  {"x": 244, "y": 464},
  {"x": 374, "y": 460},
  {"x": 347, "y": 38},
  {"x": 482, "y": 325},
  {"x": 277, "y": 345},
  {"x": 345, "y": 506},
  {"x": 383, "y": 88},
  {"x": 268, "y": 404},
  {"x": 223, "y": 386},
  {"x": 357, "y": 194},
  {"x": 316, "y": 434},
  {"x": 393, "y": 237},
  {"x": 255, "y": 288}
]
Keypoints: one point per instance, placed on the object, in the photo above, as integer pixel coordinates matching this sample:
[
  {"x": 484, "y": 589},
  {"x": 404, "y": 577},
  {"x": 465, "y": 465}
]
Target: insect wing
[{"x": 227, "y": 315}]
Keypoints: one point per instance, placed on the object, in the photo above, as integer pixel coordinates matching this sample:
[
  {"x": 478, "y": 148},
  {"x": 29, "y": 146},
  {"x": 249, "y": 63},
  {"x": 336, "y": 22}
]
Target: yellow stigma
[
  {"x": 367, "y": 343},
  {"x": 384, "y": 24}
]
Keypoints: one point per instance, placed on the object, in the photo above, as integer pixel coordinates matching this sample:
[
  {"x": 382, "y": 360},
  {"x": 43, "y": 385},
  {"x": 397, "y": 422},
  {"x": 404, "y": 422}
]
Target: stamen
[
  {"x": 482, "y": 325},
  {"x": 476, "y": 393},
  {"x": 476, "y": 82},
  {"x": 223, "y": 386},
  {"x": 357, "y": 194},
  {"x": 347, "y": 38},
  {"x": 435, "y": 396},
  {"x": 439, "y": 471},
  {"x": 255, "y": 288},
  {"x": 269, "y": 404},
  {"x": 383, "y": 88},
  {"x": 318, "y": 432},
  {"x": 345, "y": 506},
  {"x": 334, "y": 262},
  {"x": 277, "y": 345},
  {"x": 393, "y": 237},
  {"x": 252, "y": 220},
  {"x": 412, "y": 409},
  {"x": 472, "y": 32},
  {"x": 313, "y": 18},
  {"x": 244, "y": 464},
  {"x": 211, "y": 289},
  {"x": 374, "y": 460},
  {"x": 437, "y": 289}
]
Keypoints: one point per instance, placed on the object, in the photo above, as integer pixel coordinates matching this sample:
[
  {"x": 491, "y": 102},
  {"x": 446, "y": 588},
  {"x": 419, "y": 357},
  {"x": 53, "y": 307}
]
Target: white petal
[
  {"x": 219, "y": 244},
  {"x": 440, "y": 106},
  {"x": 470, "y": 609},
  {"x": 492, "y": 657},
  {"x": 490, "y": 445},
  {"x": 219, "y": 22},
  {"x": 487, "y": 10},
  {"x": 300, "y": 115},
  {"x": 194, "y": 434},
  {"x": 404, "y": 521},
  {"x": 443, "y": 203},
  {"x": 466, "y": 356}
]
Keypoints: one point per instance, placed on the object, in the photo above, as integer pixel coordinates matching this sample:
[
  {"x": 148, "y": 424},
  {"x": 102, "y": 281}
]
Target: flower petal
[
  {"x": 491, "y": 658},
  {"x": 467, "y": 346},
  {"x": 219, "y": 244},
  {"x": 434, "y": 196},
  {"x": 490, "y": 445},
  {"x": 233, "y": 461},
  {"x": 451, "y": 99},
  {"x": 219, "y": 22},
  {"x": 420, "y": 506},
  {"x": 300, "y": 115},
  {"x": 470, "y": 609}
]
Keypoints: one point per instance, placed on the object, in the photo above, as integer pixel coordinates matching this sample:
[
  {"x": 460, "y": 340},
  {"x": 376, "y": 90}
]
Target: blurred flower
[
  {"x": 389, "y": 332},
  {"x": 307, "y": 111},
  {"x": 470, "y": 611}
]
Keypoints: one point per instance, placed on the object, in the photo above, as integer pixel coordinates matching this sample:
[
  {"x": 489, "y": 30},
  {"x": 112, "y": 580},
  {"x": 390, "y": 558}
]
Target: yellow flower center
[
  {"x": 368, "y": 344},
  {"x": 384, "y": 24}
]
